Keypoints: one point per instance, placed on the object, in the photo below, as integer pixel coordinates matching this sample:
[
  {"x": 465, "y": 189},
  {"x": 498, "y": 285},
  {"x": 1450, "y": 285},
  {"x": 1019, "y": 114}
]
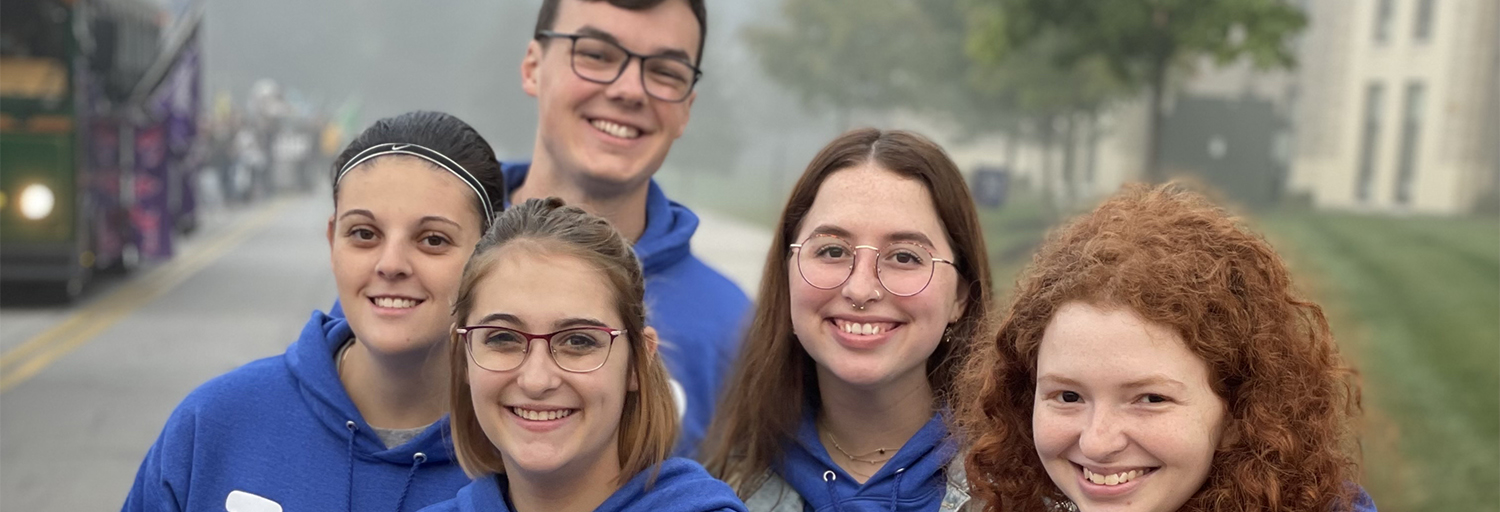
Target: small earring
[{"x": 948, "y": 333}]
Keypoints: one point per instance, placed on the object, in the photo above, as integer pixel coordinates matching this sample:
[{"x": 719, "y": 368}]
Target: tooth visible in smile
[
  {"x": 616, "y": 129},
  {"x": 1115, "y": 479},
  {"x": 394, "y": 302},
  {"x": 863, "y": 328},
  {"x": 541, "y": 415}
]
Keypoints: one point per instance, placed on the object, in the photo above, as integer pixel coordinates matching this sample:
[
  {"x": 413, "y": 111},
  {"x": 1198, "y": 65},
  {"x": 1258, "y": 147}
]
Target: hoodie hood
[
  {"x": 681, "y": 485},
  {"x": 912, "y": 480},
  {"x": 311, "y": 362},
  {"x": 282, "y": 431},
  {"x": 669, "y": 225}
]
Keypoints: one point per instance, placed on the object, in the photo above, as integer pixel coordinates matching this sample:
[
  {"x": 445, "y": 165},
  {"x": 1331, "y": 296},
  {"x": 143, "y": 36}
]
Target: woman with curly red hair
[{"x": 1156, "y": 357}]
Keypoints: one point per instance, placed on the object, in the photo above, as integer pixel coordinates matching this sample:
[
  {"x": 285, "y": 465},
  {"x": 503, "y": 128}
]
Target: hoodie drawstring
[
  {"x": 828, "y": 478},
  {"x": 416, "y": 461},
  {"x": 352, "y": 428},
  {"x": 895, "y": 489}
]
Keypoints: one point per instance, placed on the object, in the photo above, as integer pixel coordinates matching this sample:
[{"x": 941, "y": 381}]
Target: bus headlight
[{"x": 35, "y": 201}]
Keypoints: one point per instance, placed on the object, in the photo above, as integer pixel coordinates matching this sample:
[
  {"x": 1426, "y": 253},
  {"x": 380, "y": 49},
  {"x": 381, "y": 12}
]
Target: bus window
[
  {"x": 33, "y": 28},
  {"x": 33, "y": 49}
]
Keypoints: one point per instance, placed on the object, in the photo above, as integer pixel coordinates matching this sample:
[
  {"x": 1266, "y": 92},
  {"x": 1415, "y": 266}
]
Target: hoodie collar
[
  {"x": 311, "y": 362},
  {"x": 483, "y": 495},
  {"x": 669, "y": 225},
  {"x": 679, "y": 485},
  {"x": 914, "y": 476}
]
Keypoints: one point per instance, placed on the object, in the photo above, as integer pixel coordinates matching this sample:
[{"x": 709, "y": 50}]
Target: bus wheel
[
  {"x": 56, "y": 292},
  {"x": 129, "y": 260},
  {"x": 72, "y": 288}
]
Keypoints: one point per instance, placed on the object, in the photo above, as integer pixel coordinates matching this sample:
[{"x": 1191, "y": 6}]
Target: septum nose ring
[{"x": 861, "y": 307}]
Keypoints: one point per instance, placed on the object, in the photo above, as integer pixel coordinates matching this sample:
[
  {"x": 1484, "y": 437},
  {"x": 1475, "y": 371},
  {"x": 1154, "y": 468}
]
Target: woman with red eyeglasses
[{"x": 560, "y": 399}]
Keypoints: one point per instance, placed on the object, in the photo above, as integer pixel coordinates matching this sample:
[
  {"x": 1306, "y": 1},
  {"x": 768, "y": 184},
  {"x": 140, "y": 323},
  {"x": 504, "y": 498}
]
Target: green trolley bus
[{"x": 99, "y": 104}]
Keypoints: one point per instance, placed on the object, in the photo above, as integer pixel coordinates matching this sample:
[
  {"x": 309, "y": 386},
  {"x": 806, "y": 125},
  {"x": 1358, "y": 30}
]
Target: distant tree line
[{"x": 1036, "y": 70}]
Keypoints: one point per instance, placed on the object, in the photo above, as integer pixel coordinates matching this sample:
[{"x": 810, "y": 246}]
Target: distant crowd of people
[
  {"x": 266, "y": 148},
  {"x": 538, "y": 336}
]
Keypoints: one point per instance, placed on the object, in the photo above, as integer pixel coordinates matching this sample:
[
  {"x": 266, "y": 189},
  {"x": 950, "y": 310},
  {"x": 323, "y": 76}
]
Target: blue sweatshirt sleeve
[
  {"x": 442, "y": 506},
  {"x": 1363, "y": 502},
  {"x": 161, "y": 483}
]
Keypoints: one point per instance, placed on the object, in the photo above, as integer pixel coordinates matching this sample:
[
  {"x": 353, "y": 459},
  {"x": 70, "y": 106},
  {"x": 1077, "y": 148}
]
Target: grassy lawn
[
  {"x": 1012, "y": 235},
  {"x": 1415, "y": 303}
]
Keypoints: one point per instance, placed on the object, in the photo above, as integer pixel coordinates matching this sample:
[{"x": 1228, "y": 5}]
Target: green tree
[
  {"x": 919, "y": 56},
  {"x": 845, "y": 54},
  {"x": 1141, "y": 41},
  {"x": 1050, "y": 98}
]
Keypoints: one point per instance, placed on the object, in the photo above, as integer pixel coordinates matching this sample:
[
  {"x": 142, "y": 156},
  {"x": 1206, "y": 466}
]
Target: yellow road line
[{"x": 30, "y": 358}]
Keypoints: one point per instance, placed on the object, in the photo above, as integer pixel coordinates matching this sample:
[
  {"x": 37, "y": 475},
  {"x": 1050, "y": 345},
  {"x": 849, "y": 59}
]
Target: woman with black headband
[{"x": 353, "y": 415}]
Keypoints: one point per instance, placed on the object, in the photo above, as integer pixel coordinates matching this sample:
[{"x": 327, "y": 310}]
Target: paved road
[
  {"x": 734, "y": 247},
  {"x": 84, "y": 390}
]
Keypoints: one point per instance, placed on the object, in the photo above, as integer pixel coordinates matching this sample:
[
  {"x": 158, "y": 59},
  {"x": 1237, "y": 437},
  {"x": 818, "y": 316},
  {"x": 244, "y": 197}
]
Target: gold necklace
[
  {"x": 860, "y": 458},
  {"x": 861, "y": 474}
]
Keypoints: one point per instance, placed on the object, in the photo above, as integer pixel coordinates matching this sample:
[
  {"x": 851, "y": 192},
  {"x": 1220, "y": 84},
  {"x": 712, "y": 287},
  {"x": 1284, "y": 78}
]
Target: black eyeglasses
[
  {"x": 576, "y": 350},
  {"x": 664, "y": 77}
]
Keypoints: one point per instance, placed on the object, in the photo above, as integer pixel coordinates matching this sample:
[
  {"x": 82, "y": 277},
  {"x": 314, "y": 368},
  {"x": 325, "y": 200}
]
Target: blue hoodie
[
  {"x": 698, "y": 312},
  {"x": 1362, "y": 501},
  {"x": 283, "y": 429},
  {"x": 913, "y": 480},
  {"x": 681, "y": 486}
]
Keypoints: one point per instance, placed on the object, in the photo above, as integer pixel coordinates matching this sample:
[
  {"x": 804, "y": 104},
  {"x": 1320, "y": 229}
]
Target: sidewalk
[{"x": 733, "y": 247}]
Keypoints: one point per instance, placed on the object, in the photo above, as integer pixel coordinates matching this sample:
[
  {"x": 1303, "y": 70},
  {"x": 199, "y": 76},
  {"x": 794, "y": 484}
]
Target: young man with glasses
[{"x": 614, "y": 83}]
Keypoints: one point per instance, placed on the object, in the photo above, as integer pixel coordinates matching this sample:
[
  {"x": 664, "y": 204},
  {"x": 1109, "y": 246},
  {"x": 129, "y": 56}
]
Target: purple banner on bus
[{"x": 163, "y": 170}]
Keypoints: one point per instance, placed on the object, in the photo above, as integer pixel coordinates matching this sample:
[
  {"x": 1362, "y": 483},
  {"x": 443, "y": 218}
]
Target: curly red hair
[{"x": 1177, "y": 260}]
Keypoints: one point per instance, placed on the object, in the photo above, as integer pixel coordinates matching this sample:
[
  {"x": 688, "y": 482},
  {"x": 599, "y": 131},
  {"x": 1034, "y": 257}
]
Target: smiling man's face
[{"x": 611, "y": 135}]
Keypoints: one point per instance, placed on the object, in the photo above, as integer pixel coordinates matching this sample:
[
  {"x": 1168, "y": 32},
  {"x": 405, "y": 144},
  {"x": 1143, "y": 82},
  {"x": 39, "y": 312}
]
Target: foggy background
[
  {"x": 1360, "y": 136},
  {"x": 464, "y": 56},
  {"x": 1387, "y": 212}
]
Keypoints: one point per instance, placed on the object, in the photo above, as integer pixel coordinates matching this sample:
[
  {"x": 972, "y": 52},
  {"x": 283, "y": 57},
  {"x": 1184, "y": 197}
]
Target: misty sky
[{"x": 463, "y": 57}]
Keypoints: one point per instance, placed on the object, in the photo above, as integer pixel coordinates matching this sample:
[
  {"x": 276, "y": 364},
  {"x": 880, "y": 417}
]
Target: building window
[
  {"x": 1422, "y": 29},
  {"x": 1369, "y": 142},
  {"x": 1411, "y": 133},
  {"x": 1385, "y": 11}
]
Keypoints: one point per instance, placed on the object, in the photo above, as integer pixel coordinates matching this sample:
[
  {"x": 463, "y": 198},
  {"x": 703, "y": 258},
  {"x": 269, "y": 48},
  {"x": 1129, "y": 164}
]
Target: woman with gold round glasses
[
  {"x": 875, "y": 284},
  {"x": 560, "y": 399}
]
